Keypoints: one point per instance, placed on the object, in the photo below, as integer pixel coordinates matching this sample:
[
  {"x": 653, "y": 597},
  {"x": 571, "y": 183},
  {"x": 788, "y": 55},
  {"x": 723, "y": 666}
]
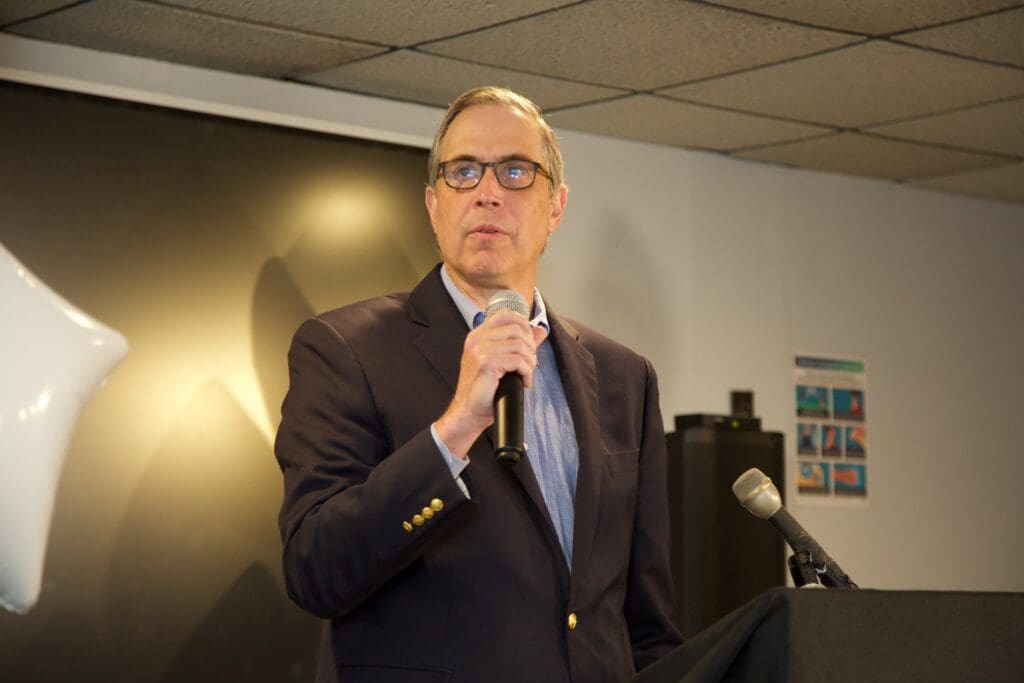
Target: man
[{"x": 433, "y": 561}]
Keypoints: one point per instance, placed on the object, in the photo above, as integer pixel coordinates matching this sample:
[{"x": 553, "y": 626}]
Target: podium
[{"x": 790, "y": 635}]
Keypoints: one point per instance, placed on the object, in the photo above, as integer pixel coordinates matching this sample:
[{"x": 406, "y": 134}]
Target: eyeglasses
[{"x": 512, "y": 174}]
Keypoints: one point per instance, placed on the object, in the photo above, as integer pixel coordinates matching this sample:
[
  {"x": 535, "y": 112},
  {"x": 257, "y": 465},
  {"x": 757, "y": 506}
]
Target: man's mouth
[{"x": 487, "y": 230}]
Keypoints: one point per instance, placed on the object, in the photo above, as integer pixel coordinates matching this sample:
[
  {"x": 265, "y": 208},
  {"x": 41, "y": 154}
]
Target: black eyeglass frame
[{"x": 537, "y": 168}]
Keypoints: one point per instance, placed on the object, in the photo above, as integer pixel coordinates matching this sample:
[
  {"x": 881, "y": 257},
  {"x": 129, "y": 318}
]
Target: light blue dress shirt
[{"x": 551, "y": 448}]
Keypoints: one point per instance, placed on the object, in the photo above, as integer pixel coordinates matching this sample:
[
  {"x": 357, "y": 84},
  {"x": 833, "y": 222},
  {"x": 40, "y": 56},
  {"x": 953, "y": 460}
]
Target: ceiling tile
[
  {"x": 863, "y": 155},
  {"x": 874, "y": 82},
  {"x": 16, "y": 10},
  {"x": 388, "y": 22},
  {"x": 169, "y": 34},
  {"x": 656, "y": 119},
  {"x": 1002, "y": 182},
  {"x": 878, "y": 17},
  {"x": 639, "y": 45},
  {"x": 430, "y": 79},
  {"x": 995, "y": 37},
  {"x": 995, "y": 128}
]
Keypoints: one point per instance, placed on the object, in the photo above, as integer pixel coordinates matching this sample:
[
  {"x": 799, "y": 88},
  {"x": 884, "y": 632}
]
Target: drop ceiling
[{"x": 925, "y": 92}]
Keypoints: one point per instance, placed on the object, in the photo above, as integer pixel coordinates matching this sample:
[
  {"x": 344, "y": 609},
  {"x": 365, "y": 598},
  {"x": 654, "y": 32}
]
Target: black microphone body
[
  {"x": 508, "y": 419},
  {"x": 509, "y": 445}
]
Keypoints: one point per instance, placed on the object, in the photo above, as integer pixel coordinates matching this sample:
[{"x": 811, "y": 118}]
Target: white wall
[
  {"x": 720, "y": 271},
  {"x": 741, "y": 265}
]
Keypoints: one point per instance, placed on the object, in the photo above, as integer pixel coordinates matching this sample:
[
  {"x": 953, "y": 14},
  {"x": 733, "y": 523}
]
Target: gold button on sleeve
[
  {"x": 418, "y": 520},
  {"x": 407, "y": 526},
  {"x": 427, "y": 512},
  {"x": 572, "y": 620},
  {"x": 437, "y": 504}
]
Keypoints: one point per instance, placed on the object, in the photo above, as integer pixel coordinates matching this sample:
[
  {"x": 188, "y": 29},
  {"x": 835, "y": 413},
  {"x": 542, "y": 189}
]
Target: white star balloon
[{"x": 52, "y": 358}]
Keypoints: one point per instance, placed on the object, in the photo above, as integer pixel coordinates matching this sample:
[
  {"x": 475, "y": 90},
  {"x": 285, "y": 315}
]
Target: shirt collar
[{"x": 468, "y": 309}]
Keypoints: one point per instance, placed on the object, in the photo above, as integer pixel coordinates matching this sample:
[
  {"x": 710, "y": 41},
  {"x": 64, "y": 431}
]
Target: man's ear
[
  {"x": 558, "y": 207},
  {"x": 430, "y": 198}
]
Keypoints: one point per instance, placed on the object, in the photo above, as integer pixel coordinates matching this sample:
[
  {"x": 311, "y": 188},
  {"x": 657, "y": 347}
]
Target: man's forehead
[{"x": 491, "y": 129}]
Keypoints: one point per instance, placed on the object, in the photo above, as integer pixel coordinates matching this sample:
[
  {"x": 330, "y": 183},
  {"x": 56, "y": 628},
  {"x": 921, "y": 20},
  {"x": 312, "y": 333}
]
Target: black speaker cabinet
[{"x": 722, "y": 556}]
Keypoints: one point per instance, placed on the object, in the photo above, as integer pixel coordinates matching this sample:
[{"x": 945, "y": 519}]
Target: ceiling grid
[{"x": 927, "y": 92}]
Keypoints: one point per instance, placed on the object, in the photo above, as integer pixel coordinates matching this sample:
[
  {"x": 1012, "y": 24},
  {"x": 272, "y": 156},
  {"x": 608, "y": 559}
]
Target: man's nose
[{"x": 489, "y": 192}]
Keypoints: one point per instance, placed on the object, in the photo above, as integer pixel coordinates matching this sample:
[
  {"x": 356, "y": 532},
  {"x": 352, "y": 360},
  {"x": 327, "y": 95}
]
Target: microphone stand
[
  {"x": 802, "y": 571},
  {"x": 806, "y": 575}
]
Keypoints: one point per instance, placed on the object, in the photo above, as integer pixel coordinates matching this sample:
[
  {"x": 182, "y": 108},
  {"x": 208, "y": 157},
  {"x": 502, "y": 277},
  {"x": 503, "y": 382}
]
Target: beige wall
[{"x": 205, "y": 242}]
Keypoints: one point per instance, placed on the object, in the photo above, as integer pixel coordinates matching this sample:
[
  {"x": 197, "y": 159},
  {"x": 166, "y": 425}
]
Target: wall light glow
[{"x": 344, "y": 212}]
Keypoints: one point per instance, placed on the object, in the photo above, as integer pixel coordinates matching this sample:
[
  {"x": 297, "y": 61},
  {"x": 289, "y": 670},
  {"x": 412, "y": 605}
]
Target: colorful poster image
[
  {"x": 851, "y": 480},
  {"x": 811, "y": 401},
  {"x": 813, "y": 477},
  {"x": 856, "y": 441},
  {"x": 808, "y": 444},
  {"x": 831, "y": 440},
  {"x": 830, "y": 457},
  {"x": 849, "y": 404}
]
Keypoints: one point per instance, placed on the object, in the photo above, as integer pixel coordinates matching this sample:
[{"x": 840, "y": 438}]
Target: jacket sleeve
[
  {"x": 650, "y": 596},
  {"x": 357, "y": 509}
]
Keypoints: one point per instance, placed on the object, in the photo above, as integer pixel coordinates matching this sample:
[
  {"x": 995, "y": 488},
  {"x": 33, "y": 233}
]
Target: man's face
[{"x": 491, "y": 237}]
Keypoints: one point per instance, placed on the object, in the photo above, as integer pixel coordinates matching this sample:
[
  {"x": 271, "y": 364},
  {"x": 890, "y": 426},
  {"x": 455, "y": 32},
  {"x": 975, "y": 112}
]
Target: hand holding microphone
[
  {"x": 509, "y": 446},
  {"x": 498, "y": 360}
]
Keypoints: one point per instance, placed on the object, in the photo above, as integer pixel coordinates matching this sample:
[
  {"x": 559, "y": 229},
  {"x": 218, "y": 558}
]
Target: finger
[
  {"x": 502, "y": 319},
  {"x": 505, "y": 347},
  {"x": 522, "y": 367},
  {"x": 518, "y": 359},
  {"x": 506, "y": 334}
]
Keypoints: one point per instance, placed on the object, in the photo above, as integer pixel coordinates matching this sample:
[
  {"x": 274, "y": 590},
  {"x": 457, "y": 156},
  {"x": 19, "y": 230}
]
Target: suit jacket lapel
[
  {"x": 579, "y": 381},
  {"x": 443, "y": 330}
]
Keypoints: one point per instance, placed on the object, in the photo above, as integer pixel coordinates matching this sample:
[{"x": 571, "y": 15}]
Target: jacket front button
[
  {"x": 572, "y": 620},
  {"x": 418, "y": 520}
]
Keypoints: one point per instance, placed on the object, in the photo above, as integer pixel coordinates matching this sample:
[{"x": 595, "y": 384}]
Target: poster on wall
[{"x": 831, "y": 451}]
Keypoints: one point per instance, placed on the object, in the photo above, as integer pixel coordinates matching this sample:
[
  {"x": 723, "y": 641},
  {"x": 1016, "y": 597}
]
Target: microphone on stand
[
  {"x": 756, "y": 492},
  {"x": 508, "y": 399}
]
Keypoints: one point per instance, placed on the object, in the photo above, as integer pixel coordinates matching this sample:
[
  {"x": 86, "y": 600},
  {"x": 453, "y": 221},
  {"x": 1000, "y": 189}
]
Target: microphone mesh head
[
  {"x": 747, "y": 483},
  {"x": 509, "y": 299},
  {"x": 756, "y": 492}
]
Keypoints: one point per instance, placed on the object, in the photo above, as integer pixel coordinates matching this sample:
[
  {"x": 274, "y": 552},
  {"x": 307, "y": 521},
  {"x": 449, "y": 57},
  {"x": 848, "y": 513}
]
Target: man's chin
[{"x": 487, "y": 274}]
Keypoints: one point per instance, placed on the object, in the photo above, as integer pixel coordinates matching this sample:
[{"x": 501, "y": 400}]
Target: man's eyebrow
[{"x": 506, "y": 157}]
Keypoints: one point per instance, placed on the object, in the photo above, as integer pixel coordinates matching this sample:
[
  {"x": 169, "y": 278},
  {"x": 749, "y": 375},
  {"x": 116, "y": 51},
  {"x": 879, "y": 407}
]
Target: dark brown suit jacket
[{"x": 480, "y": 591}]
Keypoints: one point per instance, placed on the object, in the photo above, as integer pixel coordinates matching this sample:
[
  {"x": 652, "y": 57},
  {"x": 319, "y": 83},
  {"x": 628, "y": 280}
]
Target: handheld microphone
[
  {"x": 508, "y": 399},
  {"x": 756, "y": 492}
]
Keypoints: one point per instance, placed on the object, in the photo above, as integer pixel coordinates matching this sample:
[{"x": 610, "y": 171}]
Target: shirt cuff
[{"x": 455, "y": 464}]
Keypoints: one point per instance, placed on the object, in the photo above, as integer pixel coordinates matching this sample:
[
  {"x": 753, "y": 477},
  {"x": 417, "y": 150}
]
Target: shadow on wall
[
  {"x": 249, "y": 635},
  {"x": 65, "y": 648},
  {"x": 203, "y": 509},
  {"x": 277, "y": 311}
]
